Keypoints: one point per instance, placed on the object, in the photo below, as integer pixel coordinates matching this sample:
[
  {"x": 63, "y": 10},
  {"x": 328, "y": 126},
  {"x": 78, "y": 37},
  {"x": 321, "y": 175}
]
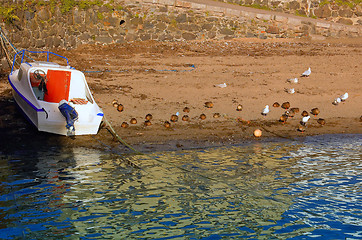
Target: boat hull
[{"x": 46, "y": 117}]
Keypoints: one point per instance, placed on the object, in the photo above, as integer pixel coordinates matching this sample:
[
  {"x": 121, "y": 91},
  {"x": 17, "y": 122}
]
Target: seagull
[
  {"x": 306, "y": 73},
  {"x": 292, "y": 80},
  {"x": 223, "y": 85},
  {"x": 336, "y": 101},
  {"x": 304, "y": 120},
  {"x": 344, "y": 97},
  {"x": 315, "y": 111},
  {"x": 265, "y": 110},
  {"x": 291, "y": 90}
]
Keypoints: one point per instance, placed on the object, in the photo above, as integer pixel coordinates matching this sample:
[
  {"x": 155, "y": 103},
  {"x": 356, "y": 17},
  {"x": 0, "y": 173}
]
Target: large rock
[
  {"x": 346, "y": 12},
  {"x": 29, "y": 15},
  {"x": 207, "y": 26},
  {"x": 161, "y": 26},
  {"x": 136, "y": 21},
  {"x": 104, "y": 39},
  {"x": 358, "y": 10},
  {"x": 211, "y": 34},
  {"x": 40, "y": 43},
  {"x": 294, "y": 5},
  {"x": 188, "y": 36},
  {"x": 145, "y": 37},
  {"x": 226, "y": 31},
  {"x": 43, "y": 14},
  {"x": 345, "y": 21},
  {"x": 189, "y": 27},
  {"x": 323, "y": 12},
  {"x": 182, "y": 18}
]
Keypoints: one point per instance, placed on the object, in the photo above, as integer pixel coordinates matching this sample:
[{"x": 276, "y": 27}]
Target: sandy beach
[{"x": 161, "y": 79}]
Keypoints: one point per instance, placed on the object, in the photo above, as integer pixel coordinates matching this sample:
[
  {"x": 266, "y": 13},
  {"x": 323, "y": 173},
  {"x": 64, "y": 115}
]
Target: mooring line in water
[
  {"x": 115, "y": 135},
  {"x": 261, "y": 126},
  {"x": 129, "y": 162},
  {"x": 276, "y": 134},
  {"x": 229, "y": 185}
]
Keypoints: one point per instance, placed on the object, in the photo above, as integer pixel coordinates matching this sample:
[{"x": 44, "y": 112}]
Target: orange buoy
[{"x": 257, "y": 133}]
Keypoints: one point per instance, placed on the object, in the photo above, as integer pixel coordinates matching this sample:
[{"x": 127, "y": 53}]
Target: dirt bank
[{"x": 163, "y": 78}]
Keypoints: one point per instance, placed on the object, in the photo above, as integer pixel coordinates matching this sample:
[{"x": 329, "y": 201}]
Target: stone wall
[
  {"x": 346, "y": 12},
  {"x": 48, "y": 26}
]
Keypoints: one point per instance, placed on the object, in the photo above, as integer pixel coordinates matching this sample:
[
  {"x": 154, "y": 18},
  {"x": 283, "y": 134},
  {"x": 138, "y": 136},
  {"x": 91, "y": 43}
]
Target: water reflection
[{"x": 303, "y": 189}]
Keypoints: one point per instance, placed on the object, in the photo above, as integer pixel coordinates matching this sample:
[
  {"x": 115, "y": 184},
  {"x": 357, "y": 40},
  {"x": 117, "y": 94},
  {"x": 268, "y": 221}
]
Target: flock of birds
[
  {"x": 289, "y": 112},
  {"x": 174, "y": 117}
]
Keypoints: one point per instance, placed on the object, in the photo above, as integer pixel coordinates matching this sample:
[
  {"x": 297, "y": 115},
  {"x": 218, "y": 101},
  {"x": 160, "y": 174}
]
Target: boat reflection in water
[{"x": 303, "y": 189}]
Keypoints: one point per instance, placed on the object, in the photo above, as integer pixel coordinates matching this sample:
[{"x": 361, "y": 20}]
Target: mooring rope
[
  {"x": 3, "y": 35},
  {"x": 6, "y": 52},
  {"x": 115, "y": 135}
]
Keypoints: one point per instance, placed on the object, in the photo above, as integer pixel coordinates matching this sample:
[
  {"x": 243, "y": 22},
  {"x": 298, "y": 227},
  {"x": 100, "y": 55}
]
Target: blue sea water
[{"x": 305, "y": 189}]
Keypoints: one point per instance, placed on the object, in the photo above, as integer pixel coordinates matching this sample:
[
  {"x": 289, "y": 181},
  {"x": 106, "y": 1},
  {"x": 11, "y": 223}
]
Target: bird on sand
[
  {"x": 289, "y": 90},
  {"x": 292, "y": 80},
  {"x": 133, "y": 121},
  {"x": 301, "y": 129},
  {"x": 148, "y": 123},
  {"x": 283, "y": 118},
  {"x": 174, "y": 118},
  {"x": 321, "y": 121},
  {"x": 336, "y": 101},
  {"x": 120, "y": 108},
  {"x": 306, "y": 73},
  {"x": 202, "y": 116},
  {"x": 124, "y": 125},
  {"x": 315, "y": 111},
  {"x": 239, "y": 108},
  {"x": 148, "y": 116},
  {"x": 115, "y": 103},
  {"x": 344, "y": 97},
  {"x": 209, "y": 104},
  {"x": 186, "y": 109},
  {"x": 304, "y": 113},
  {"x": 185, "y": 118},
  {"x": 265, "y": 110},
  {"x": 290, "y": 113},
  {"x": 286, "y": 105},
  {"x": 276, "y": 104},
  {"x": 167, "y": 124},
  {"x": 304, "y": 120},
  {"x": 216, "y": 115},
  {"x": 295, "y": 110},
  {"x": 223, "y": 85}
]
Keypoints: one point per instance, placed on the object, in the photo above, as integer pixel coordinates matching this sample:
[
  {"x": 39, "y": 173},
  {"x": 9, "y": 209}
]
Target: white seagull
[
  {"x": 265, "y": 110},
  {"x": 291, "y": 90},
  {"x": 292, "y": 80},
  {"x": 336, "y": 101},
  {"x": 306, "y": 73},
  {"x": 344, "y": 97},
  {"x": 305, "y": 120},
  {"x": 223, "y": 85}
]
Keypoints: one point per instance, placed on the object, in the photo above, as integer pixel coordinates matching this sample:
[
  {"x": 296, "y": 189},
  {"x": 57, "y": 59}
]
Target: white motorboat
[{"x": 53, "y": 97}]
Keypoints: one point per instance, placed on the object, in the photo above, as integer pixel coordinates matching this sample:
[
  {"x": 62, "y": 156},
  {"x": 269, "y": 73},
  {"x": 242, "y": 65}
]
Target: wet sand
[{"x": 163, "y": 78}]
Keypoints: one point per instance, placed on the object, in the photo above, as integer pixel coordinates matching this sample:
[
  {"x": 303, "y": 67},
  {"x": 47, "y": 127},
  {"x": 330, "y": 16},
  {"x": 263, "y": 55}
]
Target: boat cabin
[{"x": 52, "y": 83}]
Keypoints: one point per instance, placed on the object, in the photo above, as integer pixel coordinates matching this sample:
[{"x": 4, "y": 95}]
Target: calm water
[{"x": 308, "y": 189}]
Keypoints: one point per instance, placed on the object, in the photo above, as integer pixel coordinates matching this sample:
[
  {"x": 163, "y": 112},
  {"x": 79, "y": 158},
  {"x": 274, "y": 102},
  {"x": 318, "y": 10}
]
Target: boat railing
[{"x": 22, "y": 52}]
